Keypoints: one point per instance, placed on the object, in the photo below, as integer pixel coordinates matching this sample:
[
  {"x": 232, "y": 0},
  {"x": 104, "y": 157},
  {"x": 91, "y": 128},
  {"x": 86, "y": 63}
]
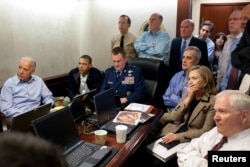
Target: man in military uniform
[{"x": 127, "y": 80}]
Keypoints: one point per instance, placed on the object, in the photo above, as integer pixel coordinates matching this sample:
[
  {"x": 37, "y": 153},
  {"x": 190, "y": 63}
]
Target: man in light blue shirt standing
[
  {"x": 24, "y": 91},
  {"x": 154, "y": 44}
]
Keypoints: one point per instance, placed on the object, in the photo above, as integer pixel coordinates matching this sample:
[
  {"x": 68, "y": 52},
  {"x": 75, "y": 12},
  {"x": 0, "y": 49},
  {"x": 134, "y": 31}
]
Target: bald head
[
  {"x": 155, "y": 21},
  {"x": 187, "y": 28}
]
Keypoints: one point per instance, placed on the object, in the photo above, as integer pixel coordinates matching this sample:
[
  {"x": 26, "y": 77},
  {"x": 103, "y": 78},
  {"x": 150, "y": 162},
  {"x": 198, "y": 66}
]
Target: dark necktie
[
  {"x": 218, "y": 145},
  {"x": 121, "y": 42},
  {"x": 118, "y": 73},
  {"x": 232, "y": 79},
  {"x": 183, "y": 48}
]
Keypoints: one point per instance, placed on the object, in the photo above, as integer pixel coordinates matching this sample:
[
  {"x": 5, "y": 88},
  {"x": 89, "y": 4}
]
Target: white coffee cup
[
  {"x": 100, "y": 136},
  {"x": 121, "y": 133}
]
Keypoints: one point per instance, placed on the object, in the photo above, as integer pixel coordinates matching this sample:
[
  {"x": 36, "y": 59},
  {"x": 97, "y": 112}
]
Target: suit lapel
[{"x": 199, "y": 108}]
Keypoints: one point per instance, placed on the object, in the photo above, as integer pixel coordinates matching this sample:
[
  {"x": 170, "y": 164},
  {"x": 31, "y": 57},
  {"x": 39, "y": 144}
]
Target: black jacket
[
  {"x": 240, "y": 57},
  {"x": 94, "y": 81}
]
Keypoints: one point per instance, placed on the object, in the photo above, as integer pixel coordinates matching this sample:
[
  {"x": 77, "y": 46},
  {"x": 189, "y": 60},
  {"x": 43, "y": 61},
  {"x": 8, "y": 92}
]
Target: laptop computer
[
  {"x": 22, "y": 122},
  {"x": 106, "y": 111},
  {"x": 82, "y": 105},
  {"x": 59, "y": 128}
]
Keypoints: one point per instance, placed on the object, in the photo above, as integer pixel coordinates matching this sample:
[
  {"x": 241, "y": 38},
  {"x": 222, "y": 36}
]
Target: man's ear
[
  {"x": 33, "y": 71},
  {"x": 245, "y": 116}
]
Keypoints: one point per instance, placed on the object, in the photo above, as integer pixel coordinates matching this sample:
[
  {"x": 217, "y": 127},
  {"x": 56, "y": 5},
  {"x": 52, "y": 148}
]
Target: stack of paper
[{"x": 140, "y": 107}]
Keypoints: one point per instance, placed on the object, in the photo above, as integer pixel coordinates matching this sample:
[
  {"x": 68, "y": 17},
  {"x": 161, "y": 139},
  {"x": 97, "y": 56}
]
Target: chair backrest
[{"x": 153, "y": 71}]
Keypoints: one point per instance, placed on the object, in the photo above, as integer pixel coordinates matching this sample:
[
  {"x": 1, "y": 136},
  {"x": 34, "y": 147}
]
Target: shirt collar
[
  {"x": 231, "y": 36},
  {"x": 187, "y": 40},
  {"x": 239, "y": 135},
  {"x": 17, "y": 80},
  {"x": 124, "y": 34}
]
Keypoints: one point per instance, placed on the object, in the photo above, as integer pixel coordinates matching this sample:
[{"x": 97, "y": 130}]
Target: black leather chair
[{"x": 155, "y": 79}]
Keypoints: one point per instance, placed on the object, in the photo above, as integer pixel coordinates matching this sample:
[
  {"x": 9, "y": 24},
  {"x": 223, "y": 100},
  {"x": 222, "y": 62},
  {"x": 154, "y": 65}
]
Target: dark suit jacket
[
  {"x": 240, "y": 57},
  {"x": 175, "y": 61},
  {"x": 94, "y": 81}
]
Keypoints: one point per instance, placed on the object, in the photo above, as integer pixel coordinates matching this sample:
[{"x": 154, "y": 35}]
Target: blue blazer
[{"x": 175, "y": 60}]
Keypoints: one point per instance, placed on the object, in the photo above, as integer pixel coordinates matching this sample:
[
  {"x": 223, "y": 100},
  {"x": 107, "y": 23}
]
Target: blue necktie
[{"x": 183, "y": 48}]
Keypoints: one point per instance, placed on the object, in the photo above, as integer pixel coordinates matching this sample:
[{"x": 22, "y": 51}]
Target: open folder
[{"x": 161, "y": 152}]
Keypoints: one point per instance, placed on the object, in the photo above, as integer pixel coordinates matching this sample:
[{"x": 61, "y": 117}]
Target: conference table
[{"x": 125, "y": 150}]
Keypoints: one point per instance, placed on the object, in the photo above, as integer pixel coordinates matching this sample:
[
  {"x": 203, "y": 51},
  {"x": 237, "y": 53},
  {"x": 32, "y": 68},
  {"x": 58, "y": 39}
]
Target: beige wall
[
  {"x": 99, "y": 22},
  {"x": 46, "y": 30},
  {"x": 57, "y": 32}
]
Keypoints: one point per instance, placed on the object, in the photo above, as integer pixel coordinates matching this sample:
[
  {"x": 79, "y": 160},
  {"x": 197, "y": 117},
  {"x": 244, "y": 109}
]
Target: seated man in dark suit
[
  {"x": 180, "y": 43},
  {"x": 83, "y": 78}
]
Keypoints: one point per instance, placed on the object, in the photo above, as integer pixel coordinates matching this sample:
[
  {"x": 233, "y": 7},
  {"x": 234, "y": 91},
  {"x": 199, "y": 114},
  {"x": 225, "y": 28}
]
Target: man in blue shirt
[
  {"x": 127, "y": 80},
  {"x": 154, "y": 44},
  {"x": 206, "y": 28},
  {"x": 178, "y": 83},
  {"x": 24, "y": 91}
]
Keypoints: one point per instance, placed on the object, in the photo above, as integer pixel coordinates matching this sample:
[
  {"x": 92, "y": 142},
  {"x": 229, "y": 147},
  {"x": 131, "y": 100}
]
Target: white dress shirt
[{"x": 193, "y": 154}]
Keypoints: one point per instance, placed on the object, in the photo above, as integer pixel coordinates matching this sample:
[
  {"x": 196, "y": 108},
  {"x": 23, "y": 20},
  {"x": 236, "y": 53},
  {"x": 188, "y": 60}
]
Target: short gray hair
[
  {"x": 237, "y": 100},
  {"x": 197, "y": 51},
  {"x": 30, "y": 60}
]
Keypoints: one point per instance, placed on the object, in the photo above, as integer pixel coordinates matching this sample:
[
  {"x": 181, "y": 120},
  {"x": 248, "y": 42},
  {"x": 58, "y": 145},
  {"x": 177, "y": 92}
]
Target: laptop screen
[
  {"x": 22, "y": 122},
  {"x": 105, "y": 106},
  {"x": 57, "y": 127},
  {"x": 83, "y": 104}
]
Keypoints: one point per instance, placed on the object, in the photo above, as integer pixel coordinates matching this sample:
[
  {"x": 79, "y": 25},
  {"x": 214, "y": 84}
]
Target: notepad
[
  {"x": 161, "y": 152},
  {"x": 139, "y": 107}
]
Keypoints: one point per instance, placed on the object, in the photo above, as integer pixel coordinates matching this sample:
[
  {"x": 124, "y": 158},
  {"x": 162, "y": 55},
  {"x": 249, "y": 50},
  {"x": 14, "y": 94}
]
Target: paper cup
[
  {"x": 100, "y": 137},
  {"x": 121, "y": 133}
]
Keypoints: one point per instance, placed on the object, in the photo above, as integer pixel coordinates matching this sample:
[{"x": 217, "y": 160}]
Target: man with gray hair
[
  {"x": 232, "y": 118},
  {"x": 178, "y": 83},
  {"x": 24, "y": 91}
]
